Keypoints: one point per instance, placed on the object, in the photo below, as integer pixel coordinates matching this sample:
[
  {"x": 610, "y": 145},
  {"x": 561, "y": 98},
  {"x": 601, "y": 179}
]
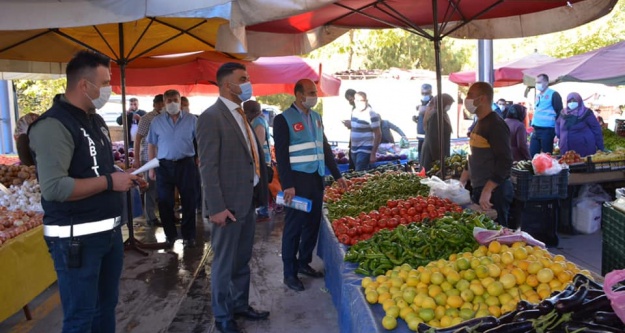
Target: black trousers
[
  {"x": 181, "y": 174},
  {"x": 301, "y": 229}
]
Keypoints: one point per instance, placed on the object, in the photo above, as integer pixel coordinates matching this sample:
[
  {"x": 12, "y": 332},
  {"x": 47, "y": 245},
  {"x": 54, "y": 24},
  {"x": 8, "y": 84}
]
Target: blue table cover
[{"x": 356, "y": 315}]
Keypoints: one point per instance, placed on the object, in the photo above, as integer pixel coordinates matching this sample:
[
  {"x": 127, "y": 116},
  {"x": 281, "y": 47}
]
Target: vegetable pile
[
  {"x": 581, "y": 307},
  {"x": 611, "y": 141},
  {"x": 488, "y": 282},
  {"x": 417, "y": 244},
  {"x": 349, "y": 230},
  {"x": 15, "y": 223},
  {"x": 376, "y": 192},
  {"x": 16, "y": 174}
]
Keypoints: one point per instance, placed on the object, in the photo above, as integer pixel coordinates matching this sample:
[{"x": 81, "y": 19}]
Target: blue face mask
[
  {"x": 246, "y": 91},
  {"x": 573, "y": 105},
  {"x": 426, "y": 98}
]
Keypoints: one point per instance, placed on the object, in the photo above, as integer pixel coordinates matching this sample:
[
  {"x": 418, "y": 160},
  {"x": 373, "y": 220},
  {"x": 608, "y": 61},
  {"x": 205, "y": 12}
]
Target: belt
[
  {"x": 88, "y": 228},
  {"x": 176, "y": 161}
]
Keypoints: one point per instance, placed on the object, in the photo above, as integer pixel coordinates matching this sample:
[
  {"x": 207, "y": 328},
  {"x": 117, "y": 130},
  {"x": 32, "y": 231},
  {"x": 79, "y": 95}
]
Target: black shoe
[
  {"x": 189, "y": 243},
  {"x": 227, "y": 326},
  {"x": 252, "y": 314},
  {"x": 309, "y": 271},
  {"x": 294, "y": 283},
  {"x": 169, "y": 243}
]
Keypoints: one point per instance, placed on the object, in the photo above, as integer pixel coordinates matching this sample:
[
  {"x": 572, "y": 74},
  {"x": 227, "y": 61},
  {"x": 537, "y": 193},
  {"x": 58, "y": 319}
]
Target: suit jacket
[{"x": 226, "y": 163}]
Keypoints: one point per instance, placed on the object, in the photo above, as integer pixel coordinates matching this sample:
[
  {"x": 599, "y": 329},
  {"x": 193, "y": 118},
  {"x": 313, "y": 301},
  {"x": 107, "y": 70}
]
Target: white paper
[{"x": 148, "y": 166}]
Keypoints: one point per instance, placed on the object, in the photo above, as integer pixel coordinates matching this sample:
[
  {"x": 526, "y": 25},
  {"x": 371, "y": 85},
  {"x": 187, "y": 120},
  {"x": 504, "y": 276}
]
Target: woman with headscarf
[
  {"x": 259, "y": 124},
  {"x": 431, "y": 145},
  {"x": 578, "y": 129},
  {"x": 515, "y": 119}
]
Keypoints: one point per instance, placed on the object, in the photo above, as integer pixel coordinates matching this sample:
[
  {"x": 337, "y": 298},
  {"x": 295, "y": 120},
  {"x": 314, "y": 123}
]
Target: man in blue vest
[
  {"x": 81, "y": 196},
  {"x": 547, "y": 108},
  {"x": 302, "y": 153}
]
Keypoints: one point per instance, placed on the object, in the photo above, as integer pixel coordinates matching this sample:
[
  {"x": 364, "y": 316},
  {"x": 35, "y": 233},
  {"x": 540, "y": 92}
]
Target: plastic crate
[
  {"x": 531, "y": 187},
  {"x": 613, "y": 249},
  {"x": 605, "y": 166}
]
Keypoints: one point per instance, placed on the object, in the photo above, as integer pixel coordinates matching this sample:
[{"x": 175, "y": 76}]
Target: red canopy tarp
[
  {"x": 195, "y": 74},
  {"x": 507, "y": 74}
]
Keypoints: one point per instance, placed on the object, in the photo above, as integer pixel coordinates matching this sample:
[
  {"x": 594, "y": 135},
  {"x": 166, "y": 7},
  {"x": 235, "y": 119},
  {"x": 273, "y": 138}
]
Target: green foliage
[
  {"x": 284, "y": 101},
  {"x": 383, "y": 49},
  {"x": 37, "y": 95}
]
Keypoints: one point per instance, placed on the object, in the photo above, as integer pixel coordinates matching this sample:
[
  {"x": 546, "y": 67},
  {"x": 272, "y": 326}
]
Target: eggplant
[
  {"x": 546, "y": 305},
  {"x": 480, "y": 324},
  {"x": 581, "y": 279},
  {"x": 601, "y": 303},
  {"x": 525, "y": 305},
  {"x": 527, "y": 315},
  {"x": 609, "y": 319},
  {"x": 594, "y": 293},
  {"x": 518, "y": 327},
  {"x": 508, "y": 317},
  {"x": 589, "y": 328},
  {"x": 572, "y": 302}
]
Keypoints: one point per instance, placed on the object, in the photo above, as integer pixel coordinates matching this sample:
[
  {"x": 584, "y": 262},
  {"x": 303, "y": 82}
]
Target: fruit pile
[
  {"x": 349, "y": 230},
  {"x": 375, "y": 192},
  {"x": 454, "y": 165},
  {"x": 334, "y": 192},
  {"x": 570, "y": 157},
  {"x": 489, "y": 281},
  {"x": 418, "y": 243}
]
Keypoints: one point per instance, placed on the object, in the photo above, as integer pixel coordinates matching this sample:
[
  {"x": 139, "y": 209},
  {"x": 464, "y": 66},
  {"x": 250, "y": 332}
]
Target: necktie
[{"x": 251, "y": 142}]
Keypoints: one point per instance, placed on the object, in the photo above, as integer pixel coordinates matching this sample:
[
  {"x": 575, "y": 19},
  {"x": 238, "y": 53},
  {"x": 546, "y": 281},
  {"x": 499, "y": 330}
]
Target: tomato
[
  {"x": 351, "y": 232},
  {"x": 403, "y": 221},
  {"x": 433, "y": 214},
  {"x": 367, "y": 229},
  {"x": 383, "y": 210},
  {"x": 382, "y": 223},
  {"x": 395, "y": 211},
  {"x": 411, "y": 211},
  {"x": 393, "y": 222},
  {"x": 365, "y": 236},
  {"x": 431, "y": 208},
  {"x": 424, "y": 216},
  {"x": 403, "y": 211},
  {"x": 345, "y": 239},
  {"x": 341, "y": 229},
  {"x": 362, "y": 215},
  {"x": 391, "y": 203}
]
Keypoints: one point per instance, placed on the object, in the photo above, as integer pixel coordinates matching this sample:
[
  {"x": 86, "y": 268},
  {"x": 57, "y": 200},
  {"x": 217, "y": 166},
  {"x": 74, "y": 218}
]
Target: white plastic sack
[
  {"x": 587, "y": 216},
  {"x": 450, "y": 189},
  {"x": 620, "y": 193},
  {"x": 594, "y": 192}
]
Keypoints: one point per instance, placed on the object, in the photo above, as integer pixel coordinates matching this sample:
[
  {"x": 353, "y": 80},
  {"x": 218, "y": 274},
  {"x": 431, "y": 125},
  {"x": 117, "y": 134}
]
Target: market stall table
[{"x": 27, "y": 270}]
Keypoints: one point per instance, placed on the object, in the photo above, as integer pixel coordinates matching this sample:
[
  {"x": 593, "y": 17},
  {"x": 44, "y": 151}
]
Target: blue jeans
[
  {"x": 501, "y": 199},
  {"x": 542, "y": 139},
  {"x": 89, "y": 293},
  {"x": 361, "y": 161},
  {"x": 180, "y": 174}
]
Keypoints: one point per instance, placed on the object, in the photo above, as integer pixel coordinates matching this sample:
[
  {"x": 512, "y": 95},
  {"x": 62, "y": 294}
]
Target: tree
[
  {"x": 284, "y": 101},
  {"x": 37, "y": 95},
  {"x": 383, "y": 49}
]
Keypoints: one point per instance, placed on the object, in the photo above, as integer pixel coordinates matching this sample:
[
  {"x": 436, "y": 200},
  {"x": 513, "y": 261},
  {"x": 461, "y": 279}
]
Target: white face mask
[
  {"x": 172, "y": 108},
  {"x": 501, "y": 107},
  {"x": 468, "y": 104},
  {"x": 310, "y": 102},
  {"x": 540, "y": 86},
  {"x": 105, "y": 94}
]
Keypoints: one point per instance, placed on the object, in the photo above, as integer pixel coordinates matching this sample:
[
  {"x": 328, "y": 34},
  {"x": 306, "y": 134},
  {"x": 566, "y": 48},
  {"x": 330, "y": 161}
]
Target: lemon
[
  {"x": 426, "y": 314},
  {"x": 467, "y": 295},
  {"x": 467, "y": 314},
  {"x": 455, "y": 301},
  {"x": 507, "y": 258},
  {"x": 508, "y": 280},
  {"x": 520, "y": 253},
  {"x": 403, "y": 313},
  {"x": 469, "y": 275},
  {"x": 534, "y": 267},
  {"x": 495, "y": 311},
  {"x": 545, "y": 275},
  {"x": 428, "y": 303},
  {"x": 413, "y": 323},
  {"x": 494, "y": 247},
  {"x": 441, "y": 299},
  {"x": 372, "y": 297},
  {"x": 494, "y": 270},
  {"x": 495, "y": 289},
  {"x": 463, "y": 263},
  {"x": 481, "y": 271},
  {"x": 393, "y": 311},
  {"x": 463, "y": 285},
  {"x": 389, "y": 323}
]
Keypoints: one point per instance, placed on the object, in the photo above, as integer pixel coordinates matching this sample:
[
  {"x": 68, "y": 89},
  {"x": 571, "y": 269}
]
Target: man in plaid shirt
[{"x": 141, "y": 157}]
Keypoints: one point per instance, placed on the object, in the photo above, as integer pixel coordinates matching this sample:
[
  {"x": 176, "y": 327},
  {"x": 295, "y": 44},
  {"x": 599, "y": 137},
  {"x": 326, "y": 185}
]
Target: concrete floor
[{"x": 167, "y": 291}]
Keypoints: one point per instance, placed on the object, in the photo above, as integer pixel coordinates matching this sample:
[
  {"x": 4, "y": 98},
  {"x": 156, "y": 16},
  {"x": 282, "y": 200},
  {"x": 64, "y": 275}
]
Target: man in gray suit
[{"x": 234, "y": 182}]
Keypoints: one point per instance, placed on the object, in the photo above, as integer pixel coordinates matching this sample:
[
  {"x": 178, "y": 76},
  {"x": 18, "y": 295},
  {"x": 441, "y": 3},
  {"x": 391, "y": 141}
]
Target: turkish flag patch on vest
[{"x": 298, "y": 127}]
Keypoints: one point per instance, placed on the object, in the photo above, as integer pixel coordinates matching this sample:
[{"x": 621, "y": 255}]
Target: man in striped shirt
[{"x": 365, "y": 133}]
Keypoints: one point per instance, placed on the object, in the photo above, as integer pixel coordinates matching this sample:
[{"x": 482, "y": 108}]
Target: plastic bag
[
  {"x": 450, "y": 189},
  {"x": 620, "y": 193},
  {"x": 544, "y": 164},
  {"x": 594, "y": 192},
  {"x": 617, "y": 299},
  {"x": 504, "y": 236}
]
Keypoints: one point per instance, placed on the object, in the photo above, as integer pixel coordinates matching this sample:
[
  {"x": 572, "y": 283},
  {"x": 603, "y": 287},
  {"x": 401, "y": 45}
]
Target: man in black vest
[{"x": 82, "y": 196}]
